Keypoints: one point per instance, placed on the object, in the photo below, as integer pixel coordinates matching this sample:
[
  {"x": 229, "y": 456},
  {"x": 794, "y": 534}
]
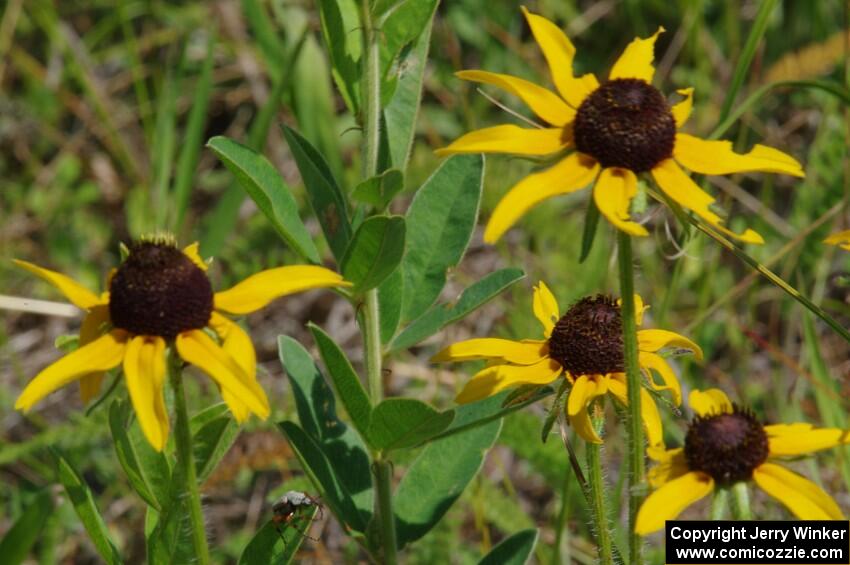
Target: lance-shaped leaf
[
  {"x": 213, "y": 432},
  {"x": 439, "y": 316},
  {"x": 374, "y": 252},
  {"x": 515, "y": 550},
  {"x": 324, "y": 193},
  {"x": 81, "y": 498},
  {"x": 269, "y": 546},
  {"x": 378, "y": 191},
  {"x": 348, "y": 387},
  {"x": 440, "y": 221},
  {"x": 146, "y": 469},
  {"x": 258, "y": 177},
  {"x": 339, "y": 18},
  {"x": 322, "y": 474},
  {"x": 316, "y": 408},
  {"x": 404, "y": 422},
  {"x": 437, "y": 478}
]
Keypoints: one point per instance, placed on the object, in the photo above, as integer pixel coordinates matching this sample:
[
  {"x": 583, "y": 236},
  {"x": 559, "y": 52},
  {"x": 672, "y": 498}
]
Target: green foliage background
[{"x": 104, "y": 113}]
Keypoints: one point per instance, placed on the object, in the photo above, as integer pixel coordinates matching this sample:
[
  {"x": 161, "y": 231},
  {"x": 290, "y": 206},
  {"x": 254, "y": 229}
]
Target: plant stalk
[
  {"x": 719, "y": 504},
  {"x": 597, "y": 494},
  {"x": 633, "y": 383},
  {"x": 186, "y": 462},
  {"x": 371, "y": 122},
  {"x": 741, "y": 501}
]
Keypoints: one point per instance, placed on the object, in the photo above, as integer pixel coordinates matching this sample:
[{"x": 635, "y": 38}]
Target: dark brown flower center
[
  {"x": 159, "y": 291},
  {"x": 588, "y": 339},
  {"x": 726, "y": 446},
  {"x": 625, "y": 123}
]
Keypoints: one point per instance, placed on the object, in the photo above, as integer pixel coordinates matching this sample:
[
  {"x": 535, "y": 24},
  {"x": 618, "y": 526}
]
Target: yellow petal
[
  {"x": 559, "y": 52},
  {"x": 648, "y": 410},
  {"x": 144, "y": 372},
  {"x": 505, "y": 350},
  {"x": 667, "y": 502},
  {"x": 258, "y": 290},
  {"x": 545, "y": 307},
  {"x": 636, "y": 60},
  {"x": 236, "y": 343},
  {"x": 497, "y": 378},
  {"x": 841, "y": 239},
  {"x": 199, "y": 349},
  {"x": 805, "y": 499},
  {"x": 77, "y": 294},
  {"x": 671, "y": 465},
  {"x": 681, "y": 188},
  {"x": 640, "y": 308},
  {"x": 542, "y": 101},
  {"x": 653, "y": 340},
  {"x": 718, "y": 158},
  {"x": 102, "y": 354},
  {"x": 650, "y": 362},
  {"x": 710, "y": 401},
  {"x": 790, "y": 440},
  {"x": 613, "y": 195},
  {"x": 584, "y": 427},
  {"x": 682, "y": 110},
  {"x": 193, "y": 252},
  {"x": 568, "y": 175},
  {"x": 90, "y": 330},
  {"x": 584, "y": 391},
  {"x": 509, "y": 139}
]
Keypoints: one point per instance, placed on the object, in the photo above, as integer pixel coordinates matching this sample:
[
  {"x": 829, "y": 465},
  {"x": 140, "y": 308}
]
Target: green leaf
[
  {"x": 477, "y": 414},
  {"x": 347, "y": 384},
  {"x": 210, "y": 444},
  {"x": 404, "y": 422},
  {"x": 591, "y": 220},
  {"x": 438, "y": 317},
  {"x": 316, "y": 407},
  {"x": 146, "y": 469},
  {"x": 266, "y": 187},
  {"x": 16, "y": 544},
  {"x": 436, "y": 479},
  {"x": 321, "y": 473},
  {"x": 375, "y": 252},
  {"x": 399, "y": 30},
  {"x": 379, "y": 191},
  {"x": 440, "y": 221},
  {"x": 402, "y": 110},
  {"x": 325, "y": 195},
  {"x": 390, "y": 296},
  {"x": 515, "y": 550},
  {"x": 339, "y": 22},
  {"x": 83, "y": 502},
  {"x": 267, "y": 545}
]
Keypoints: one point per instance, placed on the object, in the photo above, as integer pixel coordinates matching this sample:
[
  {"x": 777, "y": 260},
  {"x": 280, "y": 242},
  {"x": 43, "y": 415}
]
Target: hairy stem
[
  {"x": 597, "y": 493},
  {"x": 741, "y": 502},
  {"x": 635, "y": 422},
  {"x": 371, "y": 122},
  {"x": 186, "y": 462}
]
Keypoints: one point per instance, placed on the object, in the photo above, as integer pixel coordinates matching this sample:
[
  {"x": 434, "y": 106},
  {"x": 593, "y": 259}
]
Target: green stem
[
  {"x": 371, "y": 122},
  {"x": 719, "y": 504},
  {"x": 186, "y": 462},
  {"x": 741, "y": 501},
  {"x": 635, "y": 422},
  {"x": 597, "y": 496}
]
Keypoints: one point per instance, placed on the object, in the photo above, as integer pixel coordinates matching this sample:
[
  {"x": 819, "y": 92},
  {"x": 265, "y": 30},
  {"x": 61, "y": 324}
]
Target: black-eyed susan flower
[
  {"x": 161, "y": 297},
  {"x": 585, "y": 345},
  {"x": 726, "y": 444},
  {"x": 610, "y": 133}
]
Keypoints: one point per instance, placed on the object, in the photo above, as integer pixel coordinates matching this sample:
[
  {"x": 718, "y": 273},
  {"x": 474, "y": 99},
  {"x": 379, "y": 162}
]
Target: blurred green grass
[{"x": 95, "y": 116}]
